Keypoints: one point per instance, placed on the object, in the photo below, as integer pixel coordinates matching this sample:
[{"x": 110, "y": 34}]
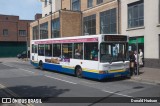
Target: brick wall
[
  {"x": 13, "y": 25},
  {"x": 70, "y": 23}
]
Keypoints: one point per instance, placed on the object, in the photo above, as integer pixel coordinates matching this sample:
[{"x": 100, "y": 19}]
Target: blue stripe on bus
[
  {"x": 104, "y": 76},
  {"x": 59, "y": 68},
  {"x": 34, "y": 64}
]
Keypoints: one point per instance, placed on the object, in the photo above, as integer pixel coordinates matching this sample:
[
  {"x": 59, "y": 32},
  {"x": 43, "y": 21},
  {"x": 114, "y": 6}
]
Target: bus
[{"x": 92, "y": 56}]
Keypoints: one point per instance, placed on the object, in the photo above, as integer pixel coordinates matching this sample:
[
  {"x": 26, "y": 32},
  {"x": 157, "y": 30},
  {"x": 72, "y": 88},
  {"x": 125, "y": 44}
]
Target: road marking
[
  {"x": 7, "y": 65},
  {"x": 26, "y": 70},
  {"x": 116, "y": 93},
  {"x": 60, "y": 79}
]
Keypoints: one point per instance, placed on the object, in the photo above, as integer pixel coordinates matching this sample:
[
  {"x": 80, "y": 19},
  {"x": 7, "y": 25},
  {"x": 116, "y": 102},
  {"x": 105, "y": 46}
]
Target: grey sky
[{"x": 26, "y": 9}]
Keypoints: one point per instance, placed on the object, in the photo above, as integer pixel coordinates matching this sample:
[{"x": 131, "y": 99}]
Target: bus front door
[{"x": 35, "y": 53}]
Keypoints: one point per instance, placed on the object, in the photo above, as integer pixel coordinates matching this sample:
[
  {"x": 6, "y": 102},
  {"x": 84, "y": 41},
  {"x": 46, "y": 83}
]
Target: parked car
[{"x": 23, "y": 55}]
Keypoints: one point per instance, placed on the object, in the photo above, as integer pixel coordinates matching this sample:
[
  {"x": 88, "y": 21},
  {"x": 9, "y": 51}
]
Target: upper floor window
[
  {"x": 90, "y": 3},
  {"x": 56, "y": 28},
  {"x": 76, "y": 5},
  {"x": 89, "y": 24},
  {"x": 5, "y": 32},
  {"x": 99, "y": 1},
  {"x": 35, "y": 32},
  {"x": 22, "y": 32},
  {"x": 136, "y": 14},
  {"x": 44, "y": 31},
  {"x": 108, "y": 23},
  {"x": 45, "y": 3}
]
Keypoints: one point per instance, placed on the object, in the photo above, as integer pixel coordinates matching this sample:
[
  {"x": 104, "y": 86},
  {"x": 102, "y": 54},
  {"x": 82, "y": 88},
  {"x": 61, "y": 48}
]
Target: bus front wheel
[{"x": 78, "y": 72}]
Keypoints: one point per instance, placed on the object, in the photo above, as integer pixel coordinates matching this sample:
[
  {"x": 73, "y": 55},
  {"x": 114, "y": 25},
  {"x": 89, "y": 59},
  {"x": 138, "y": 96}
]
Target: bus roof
[{"x": 86, "y": 38}]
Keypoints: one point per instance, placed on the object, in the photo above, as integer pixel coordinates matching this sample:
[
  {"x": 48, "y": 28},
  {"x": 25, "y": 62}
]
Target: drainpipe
[{"x": 118, "y": 23}]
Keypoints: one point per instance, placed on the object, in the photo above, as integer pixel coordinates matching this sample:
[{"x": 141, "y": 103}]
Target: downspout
[{"x": 118, "y": 23}]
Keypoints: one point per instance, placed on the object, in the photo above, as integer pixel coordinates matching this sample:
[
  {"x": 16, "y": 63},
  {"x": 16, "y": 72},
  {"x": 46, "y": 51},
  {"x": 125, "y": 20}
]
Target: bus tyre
[
  {"x": 41, "y": 65},
  {"x": 79, "y": 72}
]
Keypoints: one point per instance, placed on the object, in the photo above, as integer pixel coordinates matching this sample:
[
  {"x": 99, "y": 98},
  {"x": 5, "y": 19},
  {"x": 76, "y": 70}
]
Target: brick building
[
  {"x": 14, "y": 35},
  {"x": 76, "y": 18}
]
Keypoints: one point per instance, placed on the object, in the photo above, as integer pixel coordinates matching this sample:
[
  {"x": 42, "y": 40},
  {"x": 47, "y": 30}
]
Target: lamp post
[{"x": 50, "y": 2}]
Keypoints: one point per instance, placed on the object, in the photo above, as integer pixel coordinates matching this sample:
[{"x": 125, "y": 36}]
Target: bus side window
[
  {"x": 78, "y": 50},
  {"x": 41, "y": 50},
  {"x": 91, "y": 51},
  {"x": 67, "y": 50},
  {"x": 48, "y": 50},
  {"x": 56, "y": 50}
]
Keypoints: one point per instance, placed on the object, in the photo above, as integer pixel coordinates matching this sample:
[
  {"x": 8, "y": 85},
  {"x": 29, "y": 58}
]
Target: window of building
[
  {"x": 99, "y": 1},
  {"x": 22, "y": 32},
  {"x": 44, "y": 31},
  {"x": 89, "y": 23},
  {"x": 5, "y": 32},
  {"x": 35, "y": 32},
  {"x": 108, "y": 23},
  {"x": 78, "y": 50},
  {"x": 56, "y": 28},
  {"x": 56, "y": 50},
  {"x": 76, "y": 5},
  {"x": 67, "y": 50},
  {"x": 45, "y": 3},
  {"x": 136, "y": 14},
  {"x": 90, "y": 3},
  {"x": 48, "y": 50}
]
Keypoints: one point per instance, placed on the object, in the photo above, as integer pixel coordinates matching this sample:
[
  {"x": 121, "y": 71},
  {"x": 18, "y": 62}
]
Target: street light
[{"x": 50, "y": 2}]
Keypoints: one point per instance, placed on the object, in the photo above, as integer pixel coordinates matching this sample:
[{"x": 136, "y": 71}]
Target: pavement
[{"x": 150, "y": 75}]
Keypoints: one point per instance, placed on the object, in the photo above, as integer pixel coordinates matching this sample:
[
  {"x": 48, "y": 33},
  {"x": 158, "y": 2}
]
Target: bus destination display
[{"x": 115, "y": 38}]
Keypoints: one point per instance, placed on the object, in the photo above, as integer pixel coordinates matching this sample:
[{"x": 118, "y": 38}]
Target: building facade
[
  {"x": 76, "y": 18},
  {"x": 14, "y": 35},
  {"x": 141, "y": 21}
]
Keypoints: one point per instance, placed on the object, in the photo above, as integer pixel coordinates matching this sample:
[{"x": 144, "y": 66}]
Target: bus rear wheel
[
  {"x": 79, "y": 72},
  {"x": 41, "y": 65}
]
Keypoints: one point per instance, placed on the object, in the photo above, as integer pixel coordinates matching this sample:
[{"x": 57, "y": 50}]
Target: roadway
[{"x": 21, "y": 79}]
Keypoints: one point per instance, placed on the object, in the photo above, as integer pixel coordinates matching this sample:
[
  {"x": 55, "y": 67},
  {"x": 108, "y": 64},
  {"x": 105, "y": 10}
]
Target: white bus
[{"x": 95, "y": 56}]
